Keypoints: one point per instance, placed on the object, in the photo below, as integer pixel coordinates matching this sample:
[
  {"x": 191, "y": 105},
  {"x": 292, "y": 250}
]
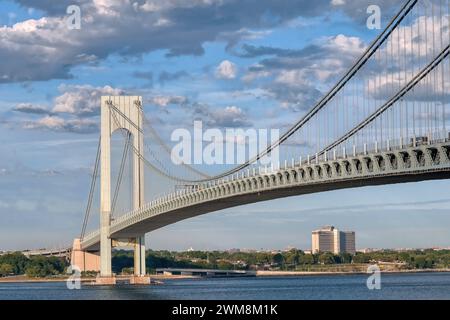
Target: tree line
[
  {"x": 286, "y": 260},
  {"x": 17, "y": 263},
  {"x": 39, "y": 266}
]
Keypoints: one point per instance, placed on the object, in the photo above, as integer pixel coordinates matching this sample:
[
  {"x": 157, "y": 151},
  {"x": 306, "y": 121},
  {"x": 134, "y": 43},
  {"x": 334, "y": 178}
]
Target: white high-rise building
[{"x": 330, "y": 239}]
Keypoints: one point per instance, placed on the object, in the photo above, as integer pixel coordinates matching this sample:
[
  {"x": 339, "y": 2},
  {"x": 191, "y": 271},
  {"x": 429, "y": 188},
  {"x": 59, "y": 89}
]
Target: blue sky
[{"x": 171, "y": 53}]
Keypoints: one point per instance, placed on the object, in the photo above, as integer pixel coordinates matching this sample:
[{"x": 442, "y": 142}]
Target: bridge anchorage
[{"x": 383, "y": 122}]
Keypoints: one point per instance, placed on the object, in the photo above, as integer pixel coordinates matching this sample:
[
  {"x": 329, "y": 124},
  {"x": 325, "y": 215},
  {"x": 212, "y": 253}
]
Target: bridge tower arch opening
[{"x": 120, "y": 113}]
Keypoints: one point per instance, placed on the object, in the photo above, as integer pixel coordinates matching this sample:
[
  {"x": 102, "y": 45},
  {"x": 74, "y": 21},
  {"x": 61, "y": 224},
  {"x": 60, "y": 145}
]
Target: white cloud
[
  {"x": 163, "y": 22},
  {"x": 293, "y": 77},
  {"x": 231, "y": 116},
  {"x": 82, "y": 100},
  {"x": 43, "y": 49},
  {"x": 254, "y": 75},
  {"x": 71, "y": 109},
  {"x": 226, "y": 70},
  {"x": 345, "y": 45},
  {"x": 55, "y": 123},
  {"x": 337, "y": 2},
  {"x": 50, "y": 122},
  {"x": 31, "y": 109},
  {"x": 408, "y": 47},
  {"x": 164, "y": 101}
]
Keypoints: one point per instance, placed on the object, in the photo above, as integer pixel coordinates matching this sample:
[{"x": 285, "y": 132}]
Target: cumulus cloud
[
  {"x": 164, "y": 101},
  {"x": 294, "y": 76},
  {"x": 294, "y": 91},
  {"x": 251, "y": 51},
  {"x": 74, "y": 110},
  {"x": 82, "y": 100},
  {"x": 230, "y": 116},
  {"x": 226, "y": 70},
  {"x": 43, "y": 49},
  {"x": 434, "y": 87},
  {"x": 412, "y": 49},
  {"x": 212, "y": 116},
  {"x": 55, "y": 123},
  {"x": 326, "y": 53},
  {"x": 337, "y": 2},
  {"x": 357, "y": 10},
  {"x": 31, "y": 109}
]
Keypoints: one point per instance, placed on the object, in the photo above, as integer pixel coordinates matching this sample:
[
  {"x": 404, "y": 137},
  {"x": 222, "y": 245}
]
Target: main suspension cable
[
  {"x": 142, "y": 157},
  {"x": 408, "y": 87}
]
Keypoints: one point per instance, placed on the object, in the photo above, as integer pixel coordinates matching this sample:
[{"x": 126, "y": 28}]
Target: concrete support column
[
  {"x": 138, "y": 190},
  {"x": 138, "y": 165},
  {"x": 139, "y": 256},
  {"x": 105, "y": 191}
]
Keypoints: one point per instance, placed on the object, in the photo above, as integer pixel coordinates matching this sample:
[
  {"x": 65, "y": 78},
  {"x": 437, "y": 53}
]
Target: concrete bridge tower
[
  {"x": 117, "y": 113},
  {"x": 127, "y": 113}
]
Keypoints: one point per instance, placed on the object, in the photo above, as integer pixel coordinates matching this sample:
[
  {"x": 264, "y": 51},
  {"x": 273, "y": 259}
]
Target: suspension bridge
[{"x": 383, "y": 122}]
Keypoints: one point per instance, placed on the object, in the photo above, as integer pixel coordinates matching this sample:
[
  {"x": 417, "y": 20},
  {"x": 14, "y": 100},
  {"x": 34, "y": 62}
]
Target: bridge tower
[{"x": 120, "y": 112}]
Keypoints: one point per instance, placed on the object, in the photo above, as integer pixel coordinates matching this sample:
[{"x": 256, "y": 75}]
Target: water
[{"x": 393, "y": 286}]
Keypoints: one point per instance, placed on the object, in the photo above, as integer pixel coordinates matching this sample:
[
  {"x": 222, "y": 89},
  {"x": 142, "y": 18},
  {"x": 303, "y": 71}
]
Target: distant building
[
  {"x": 330, "y": 239},
  {"x": 347, "y": 242}
]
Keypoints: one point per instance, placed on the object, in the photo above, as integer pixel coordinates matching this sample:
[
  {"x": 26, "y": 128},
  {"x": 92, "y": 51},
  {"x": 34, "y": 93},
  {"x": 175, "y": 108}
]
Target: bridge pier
[
  {"x": 139, "y": 276},
  {"x": 139, "y": 256}
]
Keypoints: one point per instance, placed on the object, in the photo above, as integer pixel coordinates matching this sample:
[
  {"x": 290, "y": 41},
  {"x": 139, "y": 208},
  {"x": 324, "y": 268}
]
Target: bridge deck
[{"x": 425, "y": 162}]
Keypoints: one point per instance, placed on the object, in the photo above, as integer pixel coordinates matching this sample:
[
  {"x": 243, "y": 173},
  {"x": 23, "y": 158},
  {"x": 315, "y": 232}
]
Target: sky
[{"x": 229, "y": 63}]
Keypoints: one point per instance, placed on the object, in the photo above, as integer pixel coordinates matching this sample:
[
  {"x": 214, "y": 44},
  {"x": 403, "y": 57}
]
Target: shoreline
[
  {"x": 339, "y": 273},
  {"x": 25, "y": 279}
]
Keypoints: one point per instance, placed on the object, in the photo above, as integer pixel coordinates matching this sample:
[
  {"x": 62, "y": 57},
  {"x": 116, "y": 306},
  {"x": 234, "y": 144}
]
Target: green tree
[
  {"x": 127, "y": 270},
  {"x": 292, "y": 257},
  {"x": 278, "y": 259},
  {"x": 35, "y": 271},
  {"x": 345, "y": 257},
  {"x": 361, "y": 258},
  {"x": 404, "y": 257},
  {"x": 122, "y": 259},
  {"x": 306, "y": 259},
  {"x": 326, "y": 258},
  {"x": 6, "y": 269},
  {"x": 17, "y": 260},
  {"x": 224, "y": 265},
  {"x": 423, "y": 262},
  {"x": 40, "y": 266}
]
